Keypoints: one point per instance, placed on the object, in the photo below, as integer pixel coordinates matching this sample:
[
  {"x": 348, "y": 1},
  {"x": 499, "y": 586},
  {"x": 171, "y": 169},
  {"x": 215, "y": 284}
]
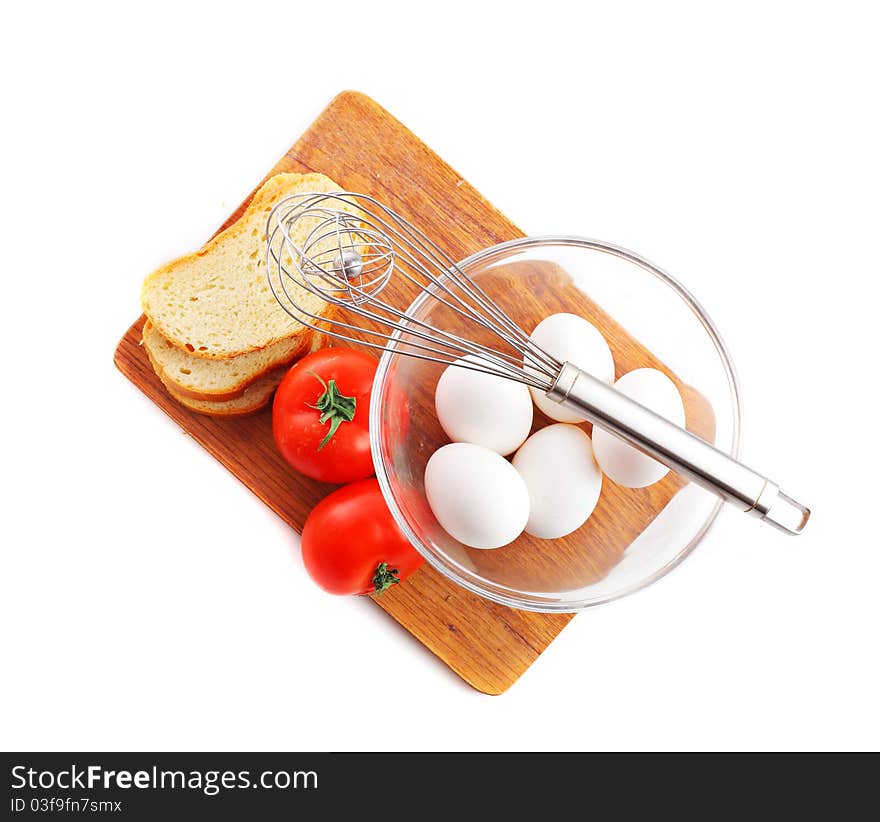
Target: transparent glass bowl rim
[{"x": 377, "y": 433}]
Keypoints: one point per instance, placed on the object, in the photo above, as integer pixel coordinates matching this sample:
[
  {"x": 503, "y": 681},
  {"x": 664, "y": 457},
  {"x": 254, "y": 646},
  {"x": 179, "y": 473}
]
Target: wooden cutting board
[{"x": 365, "y": 149}]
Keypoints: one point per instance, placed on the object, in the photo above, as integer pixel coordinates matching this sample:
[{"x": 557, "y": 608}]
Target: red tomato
[
  {"x": 352, "y": 545},
  {"x": 321, "y": 413}
]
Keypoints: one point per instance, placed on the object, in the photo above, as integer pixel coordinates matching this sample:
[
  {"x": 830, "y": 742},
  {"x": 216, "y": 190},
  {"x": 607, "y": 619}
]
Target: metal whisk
[{"x": 345, "y": 247}]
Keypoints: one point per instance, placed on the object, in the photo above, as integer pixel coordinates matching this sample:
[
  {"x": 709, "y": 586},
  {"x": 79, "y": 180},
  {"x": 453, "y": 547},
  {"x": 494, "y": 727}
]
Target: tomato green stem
[
  {"x": 384, "y": 578},
  {"x": 334, "y": 406}
]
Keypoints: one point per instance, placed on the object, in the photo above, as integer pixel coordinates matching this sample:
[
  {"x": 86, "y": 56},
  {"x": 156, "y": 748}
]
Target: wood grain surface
[{"x": 363, "y": 148}]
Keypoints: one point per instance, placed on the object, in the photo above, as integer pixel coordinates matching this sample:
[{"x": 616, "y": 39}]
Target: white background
[{"x": 150, "y": 602}]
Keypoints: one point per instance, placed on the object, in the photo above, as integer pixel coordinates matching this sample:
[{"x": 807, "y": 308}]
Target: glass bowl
[{"x": 635, "y": 536}]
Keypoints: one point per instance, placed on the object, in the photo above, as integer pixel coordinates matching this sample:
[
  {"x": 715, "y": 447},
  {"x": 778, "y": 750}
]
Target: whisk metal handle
[{"x": 677, "y": 448}]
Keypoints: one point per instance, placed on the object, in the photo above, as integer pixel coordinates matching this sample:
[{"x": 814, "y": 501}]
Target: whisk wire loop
[{"x": 345, "y": 247}]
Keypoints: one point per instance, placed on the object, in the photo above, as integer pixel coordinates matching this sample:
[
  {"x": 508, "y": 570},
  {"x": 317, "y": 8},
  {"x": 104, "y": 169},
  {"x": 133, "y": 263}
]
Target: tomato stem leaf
[
  {"x": 384, "y": 578},
  {"x": 334, "y": 406}
]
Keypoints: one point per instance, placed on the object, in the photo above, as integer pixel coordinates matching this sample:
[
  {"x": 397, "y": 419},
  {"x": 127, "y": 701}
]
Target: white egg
[
  {"x": 477, "y": 495},
  {"x": 621, "y": 462},
  {"x": 570, "y": 338},
  {"x": 483, "y": 409},
  {"x": 562, "y": 478}
]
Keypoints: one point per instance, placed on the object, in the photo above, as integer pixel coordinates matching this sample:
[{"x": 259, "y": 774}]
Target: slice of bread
[
  {"x": 254, "y": 397},
  {"x": 217, "y": 302},
  {"x": 251, "y": 399},
  {"x": 218, "y": 380}
]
